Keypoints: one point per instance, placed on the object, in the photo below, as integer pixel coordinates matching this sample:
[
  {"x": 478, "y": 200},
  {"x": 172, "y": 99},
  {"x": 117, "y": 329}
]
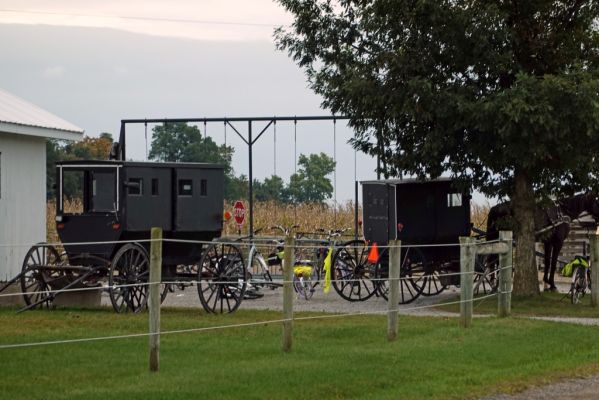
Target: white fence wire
[{"x": 306, "y": 244}]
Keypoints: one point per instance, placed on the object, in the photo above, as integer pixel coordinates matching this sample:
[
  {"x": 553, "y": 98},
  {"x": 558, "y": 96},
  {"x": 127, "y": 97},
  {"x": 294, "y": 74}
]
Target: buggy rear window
[
  {"x": 185, "y": 187},
  {"x": 454, "y": 199}
]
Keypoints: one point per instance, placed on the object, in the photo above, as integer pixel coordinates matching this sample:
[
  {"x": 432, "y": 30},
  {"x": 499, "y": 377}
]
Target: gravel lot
[{"x": 320, "y": 302}]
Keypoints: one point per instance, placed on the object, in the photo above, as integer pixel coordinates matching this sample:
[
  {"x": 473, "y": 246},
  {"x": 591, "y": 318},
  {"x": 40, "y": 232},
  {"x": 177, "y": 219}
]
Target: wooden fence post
[
  {"x": 154, "y": 297},
  {"x": 504, "y": 302},
  {"x": 594, "y": 270},
  {"x": 288, "y": 264},
  {"x": 467, "y": 255},
  {"x": 393, "y": 303}
]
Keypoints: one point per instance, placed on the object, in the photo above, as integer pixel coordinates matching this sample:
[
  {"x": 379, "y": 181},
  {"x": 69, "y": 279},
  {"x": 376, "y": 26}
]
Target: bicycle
[
  {"x": 303, "y": 268},
  {"x": 306, "y": 285},
  {"x": 305, "y": 274},
  {"x": 581, "y": 279},
  {"x": 259, "y": 275}
]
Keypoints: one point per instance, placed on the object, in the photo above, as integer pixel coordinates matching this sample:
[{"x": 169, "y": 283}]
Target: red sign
[{"x": 239, "y": 213}]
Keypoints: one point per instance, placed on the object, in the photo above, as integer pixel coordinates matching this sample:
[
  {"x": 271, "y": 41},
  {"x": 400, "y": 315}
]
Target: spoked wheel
[
  {"x": 222, "y": 278},
  {"x": 433, "y": 282},
  {"x": 305, "y": 279},
  {"x": 129, "y": 273},
  {"x": 486, "y": 275},
  {"x": 352, "y": 274},
  {"x": 37, "y": 274},
  {"x": 578, "y": 287},
  {"x": 412, "y": 277}
]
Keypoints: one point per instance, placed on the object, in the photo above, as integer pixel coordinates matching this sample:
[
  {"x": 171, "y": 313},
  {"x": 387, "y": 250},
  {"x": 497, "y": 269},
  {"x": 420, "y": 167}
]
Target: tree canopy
[
  {"x": 179, "y": 142},
  {"x": 311, "y": 184},
  {"x": 504, "y": 95}
]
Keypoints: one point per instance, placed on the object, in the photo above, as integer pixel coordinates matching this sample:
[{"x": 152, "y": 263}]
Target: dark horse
[{"x": 552, "y": 225}]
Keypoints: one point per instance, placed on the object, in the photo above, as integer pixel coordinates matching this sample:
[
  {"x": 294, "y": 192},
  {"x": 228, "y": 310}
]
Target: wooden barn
[{"x": 24, "y": 129}]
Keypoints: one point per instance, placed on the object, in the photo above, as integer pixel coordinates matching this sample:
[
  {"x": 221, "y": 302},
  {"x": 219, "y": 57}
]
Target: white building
[{"x": 24, "y": 129}]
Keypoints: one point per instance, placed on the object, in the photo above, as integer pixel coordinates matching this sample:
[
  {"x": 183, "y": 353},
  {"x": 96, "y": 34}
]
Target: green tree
[
  {"x": 179, "y": 142},
  {"x": 310, "y": 184},
  {"x": 236, "y": 187},
  {"x": 272, "y": 189},
  {"x": 502, "y": 94}
]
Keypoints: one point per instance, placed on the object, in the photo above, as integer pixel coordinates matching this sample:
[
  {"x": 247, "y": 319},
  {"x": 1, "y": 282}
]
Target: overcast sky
[{"x": 94, "y": 63}]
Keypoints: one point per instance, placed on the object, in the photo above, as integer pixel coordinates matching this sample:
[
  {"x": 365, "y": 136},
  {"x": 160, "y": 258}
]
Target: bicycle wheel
[
  {"x": 305, "y": 279},
  {"x": 260, "y": 274},
  {"x": 411, "y": 274},
  {"x": 578, "y": 286},
  {"x": 352, "y": 274}
]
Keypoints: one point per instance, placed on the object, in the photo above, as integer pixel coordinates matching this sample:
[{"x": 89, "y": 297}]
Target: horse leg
[
  {"x": 557, "y": 247},
  {"x": 547, "y": 263}
]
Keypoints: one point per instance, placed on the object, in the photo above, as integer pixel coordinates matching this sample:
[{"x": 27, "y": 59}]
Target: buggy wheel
[
  {"x": 432, "y": 283},
  {"x": 412, "y": 277},
  {"x": 129, "y": 273},
  {"x": 486, "y": 275},
  {"x": 36, "y": 278},
  {"x": 352, "y": 274},
  {"x": 578, "y": 285},
  {"x": 222, "y": 278}
]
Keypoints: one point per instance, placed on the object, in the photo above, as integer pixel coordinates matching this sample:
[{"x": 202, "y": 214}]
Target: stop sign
[{"x": 239, "y": 213}]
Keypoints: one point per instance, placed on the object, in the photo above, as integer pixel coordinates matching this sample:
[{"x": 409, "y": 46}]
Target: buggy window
[
  {"x": 135, "y": 187},
  {"x": 454, "y": 199},
  {"x": 155, "y": 191},
  {"x": 203, "y": 187},
  {"x": 185, "y": 187},
  {"x": 72, "y": 191},
  {"x": 103, "y": 196},
  {"x": 87, "y": 190}
]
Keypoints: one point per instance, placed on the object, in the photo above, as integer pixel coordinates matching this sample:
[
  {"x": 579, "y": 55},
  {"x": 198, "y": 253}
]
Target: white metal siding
[{"x": 22, "y": 201}]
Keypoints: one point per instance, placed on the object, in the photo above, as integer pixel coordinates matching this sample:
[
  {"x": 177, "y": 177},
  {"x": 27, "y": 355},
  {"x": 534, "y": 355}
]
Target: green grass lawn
[
  {"x": 335, "y": 358},
  {"x": 547, "y": 304}
]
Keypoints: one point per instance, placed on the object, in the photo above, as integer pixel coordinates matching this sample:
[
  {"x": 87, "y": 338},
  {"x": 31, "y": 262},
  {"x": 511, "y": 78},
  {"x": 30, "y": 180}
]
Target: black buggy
[
  {"x": 430, "y": 215},
  {"x": 105, "y": 240}
]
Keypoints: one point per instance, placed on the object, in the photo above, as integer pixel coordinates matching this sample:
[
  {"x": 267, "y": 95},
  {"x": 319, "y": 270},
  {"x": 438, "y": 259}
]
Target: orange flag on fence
[{"x": 373, "y": 255}]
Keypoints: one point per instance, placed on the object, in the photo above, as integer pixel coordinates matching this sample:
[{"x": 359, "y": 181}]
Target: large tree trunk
[{"x": 525, "y": 279}]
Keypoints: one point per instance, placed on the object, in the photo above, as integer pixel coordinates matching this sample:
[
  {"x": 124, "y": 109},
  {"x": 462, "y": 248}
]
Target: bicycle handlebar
[{"x": 285, "y": 231}]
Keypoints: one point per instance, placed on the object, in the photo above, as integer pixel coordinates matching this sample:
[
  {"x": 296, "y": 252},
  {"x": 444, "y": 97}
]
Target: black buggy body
[
  {"x": 123, "y": 200},
  {"x": 430, "y": 213},
  {"x": 104, "y": 214}
]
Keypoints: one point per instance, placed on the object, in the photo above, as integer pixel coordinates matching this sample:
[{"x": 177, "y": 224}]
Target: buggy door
[
  {"x": 380, "y": 223},
  {"x": 148, "y": 198},
  {"x": 416, "y": 213},
  {"x": 199, "y": 199}
]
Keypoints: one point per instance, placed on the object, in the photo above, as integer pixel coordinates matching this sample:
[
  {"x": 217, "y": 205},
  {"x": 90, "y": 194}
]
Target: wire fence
[
  {"x": 413, "y": 276},
  {"x": 241, "y": 325}
]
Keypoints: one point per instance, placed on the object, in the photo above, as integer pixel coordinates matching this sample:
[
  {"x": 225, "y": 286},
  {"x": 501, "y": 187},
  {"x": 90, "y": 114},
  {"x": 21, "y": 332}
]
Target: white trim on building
[{"x": 21, "y": 117}]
